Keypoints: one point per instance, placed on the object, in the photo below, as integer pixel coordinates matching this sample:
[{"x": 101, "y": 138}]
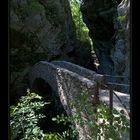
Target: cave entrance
[{"x": 42, "y": 88}]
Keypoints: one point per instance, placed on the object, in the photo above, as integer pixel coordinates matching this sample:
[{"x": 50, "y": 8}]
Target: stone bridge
[{"x": 76, "y": 87}]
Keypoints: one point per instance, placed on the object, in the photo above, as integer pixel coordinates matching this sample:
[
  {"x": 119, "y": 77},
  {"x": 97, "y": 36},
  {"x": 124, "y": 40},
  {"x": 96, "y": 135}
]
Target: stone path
[{"x": 125, "y": 99}]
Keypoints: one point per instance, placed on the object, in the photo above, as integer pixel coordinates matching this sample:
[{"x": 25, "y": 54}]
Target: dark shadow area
[
  {"x": 50, "y": 110},
  {"x": 17, "y": 89}
]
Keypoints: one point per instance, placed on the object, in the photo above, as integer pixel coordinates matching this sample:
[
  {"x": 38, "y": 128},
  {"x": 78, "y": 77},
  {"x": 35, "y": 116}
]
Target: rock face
[
  {"x": 98, "y": 15},
  {"x": 108, "y": 22},
  {"x": 50, "y": 22},
  {"x": 42, "y": 30},
  {"x": 49, "y": 28},
  {"x": 121, "y": 52}
]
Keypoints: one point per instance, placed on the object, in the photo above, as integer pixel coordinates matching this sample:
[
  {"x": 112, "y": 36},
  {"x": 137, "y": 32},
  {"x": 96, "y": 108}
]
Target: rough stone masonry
[{"x": 68, "y": 81}]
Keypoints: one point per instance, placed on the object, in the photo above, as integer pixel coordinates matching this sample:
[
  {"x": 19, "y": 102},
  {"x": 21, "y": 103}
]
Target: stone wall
[
  {"x": 76, "y": 87},
  {"x": 68, "y": 86},
  {"x": 92, "y": 75}
]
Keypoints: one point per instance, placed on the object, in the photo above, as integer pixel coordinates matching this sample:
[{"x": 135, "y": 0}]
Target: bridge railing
[
  {"x": 118, "y": 83},
  {"x": 111, "y": 94}
]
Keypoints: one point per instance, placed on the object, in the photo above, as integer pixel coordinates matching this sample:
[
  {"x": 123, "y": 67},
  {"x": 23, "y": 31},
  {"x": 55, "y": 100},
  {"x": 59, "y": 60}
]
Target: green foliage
[
  {"x": 120, "y": 124},
  {"x": 121, "y": 18},
  {"x": 121, "y": 30},
  {"x": 52, "y": 137},
  {"x": 81, "y": 28},
  {"x": 71, "y": 132},
  {"x": 24, "y": 117},
  {"x": 101, "y": 125}
]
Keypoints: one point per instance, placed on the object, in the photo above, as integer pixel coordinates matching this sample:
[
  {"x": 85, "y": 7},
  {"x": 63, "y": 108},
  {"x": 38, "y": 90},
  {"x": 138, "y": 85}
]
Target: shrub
[
  {"x": 101, "y": 126},
  {"x": 24, "y": 118}
]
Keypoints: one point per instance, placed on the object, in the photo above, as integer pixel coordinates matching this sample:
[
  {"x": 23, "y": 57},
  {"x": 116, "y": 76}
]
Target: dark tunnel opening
[{"x": 42, "y": 88}]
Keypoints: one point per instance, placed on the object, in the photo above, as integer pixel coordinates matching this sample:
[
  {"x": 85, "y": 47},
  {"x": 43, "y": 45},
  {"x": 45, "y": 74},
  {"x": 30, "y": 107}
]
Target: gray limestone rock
[
  {"x": 108, "y": 23},
  {"x": 69, "y": 82},
  {"x": 50, "y": 21},
  {"x": 122, "y": 44}
]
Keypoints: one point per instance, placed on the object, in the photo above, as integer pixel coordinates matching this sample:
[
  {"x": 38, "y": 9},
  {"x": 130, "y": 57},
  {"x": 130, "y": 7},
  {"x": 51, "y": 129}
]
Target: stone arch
[
  {"x": 45, "y": 71},
  {"x": 67, "y": 81},
  {"x": 41, "y": 87}
]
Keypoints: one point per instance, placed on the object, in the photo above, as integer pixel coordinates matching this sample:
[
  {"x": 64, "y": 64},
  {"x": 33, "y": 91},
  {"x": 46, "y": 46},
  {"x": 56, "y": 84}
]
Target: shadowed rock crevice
[
  {"x": 108, "y": 22},
  {"x": 99, "y": 18}
]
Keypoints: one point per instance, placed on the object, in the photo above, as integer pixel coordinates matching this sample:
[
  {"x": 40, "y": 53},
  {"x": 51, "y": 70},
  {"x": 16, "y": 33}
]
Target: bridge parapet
[
  {"x": 68, "y": 81},
  {"x": 68, "y": 85},
  {"x": 92, "y": 75}
]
